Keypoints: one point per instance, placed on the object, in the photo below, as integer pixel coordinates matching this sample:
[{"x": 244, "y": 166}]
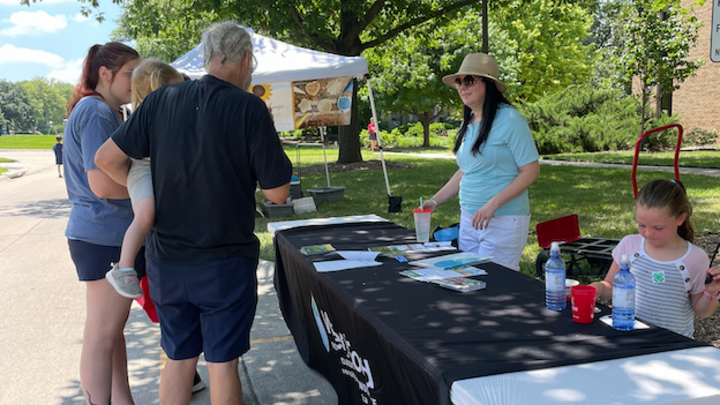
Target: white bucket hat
[{"x": 477, "y": 64}]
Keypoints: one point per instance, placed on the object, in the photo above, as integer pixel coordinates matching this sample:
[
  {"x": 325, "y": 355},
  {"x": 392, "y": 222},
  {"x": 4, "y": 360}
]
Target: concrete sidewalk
[{"x": 43, "y": 312}]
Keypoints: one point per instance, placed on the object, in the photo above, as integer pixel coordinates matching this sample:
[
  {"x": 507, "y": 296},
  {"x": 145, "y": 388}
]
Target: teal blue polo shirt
[{"x": 509, "y": 146}]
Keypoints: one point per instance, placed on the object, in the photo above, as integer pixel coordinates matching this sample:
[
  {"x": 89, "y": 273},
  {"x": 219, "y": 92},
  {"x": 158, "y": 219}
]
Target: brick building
[{"x": 697, "y": 102}]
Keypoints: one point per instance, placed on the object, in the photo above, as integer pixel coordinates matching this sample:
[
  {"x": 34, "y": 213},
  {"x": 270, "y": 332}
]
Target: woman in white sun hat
[{"x": 497, "y": 161}]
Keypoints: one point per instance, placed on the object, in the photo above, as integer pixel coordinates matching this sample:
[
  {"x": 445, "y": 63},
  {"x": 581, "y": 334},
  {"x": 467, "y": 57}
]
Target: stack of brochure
[
  {"x": 450, "y": 271},
  {"x": 455, "y": 279},
  {"x": 452, "y": 261},
  {"x": 316, "y": 249}
]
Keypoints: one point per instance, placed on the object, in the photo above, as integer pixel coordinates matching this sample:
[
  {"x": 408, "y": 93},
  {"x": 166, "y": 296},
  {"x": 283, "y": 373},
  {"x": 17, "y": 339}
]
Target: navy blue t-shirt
[{"x": 209, "y": 144}]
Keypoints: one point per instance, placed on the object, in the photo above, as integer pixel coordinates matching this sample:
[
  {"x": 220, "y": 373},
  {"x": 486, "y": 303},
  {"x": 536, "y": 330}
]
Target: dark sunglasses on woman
[{"x": 468, "y": 81}]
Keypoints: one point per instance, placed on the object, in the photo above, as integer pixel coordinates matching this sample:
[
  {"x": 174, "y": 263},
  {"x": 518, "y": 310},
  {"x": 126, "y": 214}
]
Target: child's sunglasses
[{"x": 468, "y": 81}]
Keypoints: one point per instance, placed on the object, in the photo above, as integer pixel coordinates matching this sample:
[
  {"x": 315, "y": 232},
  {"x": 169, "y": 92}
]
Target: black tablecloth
[{"x": 383, "y": 338}]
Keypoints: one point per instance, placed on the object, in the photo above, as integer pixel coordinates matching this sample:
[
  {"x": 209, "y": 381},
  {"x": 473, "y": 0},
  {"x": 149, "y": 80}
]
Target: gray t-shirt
[{"x": 95, "y": 220}]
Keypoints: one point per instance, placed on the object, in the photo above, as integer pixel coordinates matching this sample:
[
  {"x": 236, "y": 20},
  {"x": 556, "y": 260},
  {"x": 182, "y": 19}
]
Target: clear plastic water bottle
[
  {"x": 623, "y": 300},
  {"x": 555, "y": 296}
]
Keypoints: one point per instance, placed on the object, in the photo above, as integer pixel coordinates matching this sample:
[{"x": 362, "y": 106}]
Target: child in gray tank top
[{"x": 669, "y": 270}]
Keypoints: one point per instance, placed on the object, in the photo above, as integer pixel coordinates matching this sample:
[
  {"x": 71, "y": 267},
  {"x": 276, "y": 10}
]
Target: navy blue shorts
[
  {"x": 205, "y": 308},
  {"x": 93, "y": 261}
]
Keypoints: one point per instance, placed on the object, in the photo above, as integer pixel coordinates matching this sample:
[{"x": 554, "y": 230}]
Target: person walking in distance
[{"x": 58, "y": 149}]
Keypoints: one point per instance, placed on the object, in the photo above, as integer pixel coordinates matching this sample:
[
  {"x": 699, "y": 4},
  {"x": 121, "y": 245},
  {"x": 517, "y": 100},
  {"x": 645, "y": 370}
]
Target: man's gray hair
[{"x": 227, "y": 40}]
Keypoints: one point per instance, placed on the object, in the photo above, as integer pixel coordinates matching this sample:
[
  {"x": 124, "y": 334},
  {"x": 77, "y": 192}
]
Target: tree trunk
[
  {"x": 642, "y": 114},
  {"x": 426, "y": 119},
  {"x": 349, "y": 135}
]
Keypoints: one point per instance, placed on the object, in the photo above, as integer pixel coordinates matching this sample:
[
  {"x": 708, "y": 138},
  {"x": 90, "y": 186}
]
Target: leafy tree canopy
[
  {"x": 657, "y": 36},
  {"x": 48, "y": 99},
  {"x": 15, "y": 107},
  {"x": 546, "y": 39}
]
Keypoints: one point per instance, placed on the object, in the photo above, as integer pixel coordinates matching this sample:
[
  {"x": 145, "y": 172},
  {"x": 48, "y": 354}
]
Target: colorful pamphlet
[
  {"x": 316, "y": 249},
  {"x": 461, "y": 284},
  {"x": 452, "y": 261},
  {"x": 431, "y": 273},
  {"x": 412, "y": 248}
]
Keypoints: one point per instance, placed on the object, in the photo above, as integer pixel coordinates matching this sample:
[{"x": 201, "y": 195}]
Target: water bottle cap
[
  {"x": 554, "y": 247},
  {"x": 624, "y": 259}
]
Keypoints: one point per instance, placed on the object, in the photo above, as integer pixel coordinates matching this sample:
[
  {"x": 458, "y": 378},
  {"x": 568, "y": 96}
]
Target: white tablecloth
[{"x": 690, "y": 376}]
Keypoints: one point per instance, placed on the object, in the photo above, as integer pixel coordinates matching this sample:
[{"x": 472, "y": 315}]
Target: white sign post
[{"x": 715, "y": 32}]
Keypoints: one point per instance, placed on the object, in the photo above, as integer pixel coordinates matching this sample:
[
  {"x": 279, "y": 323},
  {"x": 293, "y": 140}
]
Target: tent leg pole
[
  {"x": 322, "y": 139},
  {"x": 377, "y": 131}
]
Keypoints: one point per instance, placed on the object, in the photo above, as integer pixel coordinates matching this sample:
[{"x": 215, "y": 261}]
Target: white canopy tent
[{"x": 279, "y": 62}]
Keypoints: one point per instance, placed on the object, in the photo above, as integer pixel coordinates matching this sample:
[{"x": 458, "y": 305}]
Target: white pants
[{"x": 504, "y": 239}]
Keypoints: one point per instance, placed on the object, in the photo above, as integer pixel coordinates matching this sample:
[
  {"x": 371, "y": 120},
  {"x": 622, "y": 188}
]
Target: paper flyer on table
[
  {"x": 358, "y": 255},
  {"x": 461, "y": 284},
  {"x": 432, "y": 273},
  {"x": 337, "y": 265},
  {"x": 452, "y": 261}
]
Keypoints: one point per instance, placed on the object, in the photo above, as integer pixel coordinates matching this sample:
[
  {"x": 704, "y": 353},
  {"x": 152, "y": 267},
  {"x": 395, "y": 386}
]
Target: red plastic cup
[{"x": 583, "y": 303}]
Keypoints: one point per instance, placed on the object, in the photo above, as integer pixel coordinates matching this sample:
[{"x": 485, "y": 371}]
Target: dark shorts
[
  {"x": 372, "y": 136},
  {"x": 93, "y": 261},
  {"x": 58, "y": 160},
  {"x": 205, "y": 308}
]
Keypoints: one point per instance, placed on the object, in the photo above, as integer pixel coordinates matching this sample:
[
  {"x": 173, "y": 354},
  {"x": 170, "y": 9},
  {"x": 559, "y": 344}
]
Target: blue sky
[{"x": 49, "y": 38}]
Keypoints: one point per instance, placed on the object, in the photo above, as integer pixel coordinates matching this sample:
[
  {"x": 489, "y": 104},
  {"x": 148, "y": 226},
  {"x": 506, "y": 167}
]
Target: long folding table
[{"x": 381, "y": 338}]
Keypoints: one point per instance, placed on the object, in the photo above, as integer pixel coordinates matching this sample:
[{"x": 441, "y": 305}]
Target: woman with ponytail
[
  {"x": 100, "y": 214},
  {"x": 673, "y": 282}
]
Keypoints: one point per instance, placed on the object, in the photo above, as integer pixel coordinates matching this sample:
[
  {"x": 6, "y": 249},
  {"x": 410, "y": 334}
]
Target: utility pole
[{"x": 485, "y": 26}]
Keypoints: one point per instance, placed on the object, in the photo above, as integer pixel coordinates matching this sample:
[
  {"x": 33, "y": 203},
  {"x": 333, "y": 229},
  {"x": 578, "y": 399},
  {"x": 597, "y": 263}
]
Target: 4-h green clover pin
[{"x": 658, "y": 277}]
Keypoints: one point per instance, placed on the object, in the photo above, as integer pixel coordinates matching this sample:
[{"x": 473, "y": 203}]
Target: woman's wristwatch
[{"x": 710, "y": 296}]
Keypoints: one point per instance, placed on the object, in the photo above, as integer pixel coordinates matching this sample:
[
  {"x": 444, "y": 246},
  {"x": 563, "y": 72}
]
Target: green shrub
[
  {"x": 700, "y": 137},
  {"x": 415, "y": 130},
  {"x": 395, "y": 139},
  {"x": 584, "y": 119}
]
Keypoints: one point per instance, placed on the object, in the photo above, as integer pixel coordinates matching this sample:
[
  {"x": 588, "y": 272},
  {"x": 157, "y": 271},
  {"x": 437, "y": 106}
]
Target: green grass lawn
[
  {"x": 27, "y": 141},
  {"x": 3, "y": 170},
  {"x": 4, "y": 160},
  {"x": 602, "y": 198},
  {"x": 698, "y": 158}
]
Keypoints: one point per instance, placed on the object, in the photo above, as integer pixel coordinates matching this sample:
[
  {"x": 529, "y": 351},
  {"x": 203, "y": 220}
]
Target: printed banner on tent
[{"x": 308, "y": 104}]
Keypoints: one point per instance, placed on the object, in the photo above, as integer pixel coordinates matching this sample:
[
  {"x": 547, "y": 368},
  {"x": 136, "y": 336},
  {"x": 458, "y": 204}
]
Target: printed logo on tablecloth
[
  {"x": 319, "y": 322},
  {"x": 658, "y": 276},
  {"x": 351, "y": 364}
]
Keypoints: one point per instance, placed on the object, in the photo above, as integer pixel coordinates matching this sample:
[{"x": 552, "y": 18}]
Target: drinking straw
[{"x": 420, "y": 202}]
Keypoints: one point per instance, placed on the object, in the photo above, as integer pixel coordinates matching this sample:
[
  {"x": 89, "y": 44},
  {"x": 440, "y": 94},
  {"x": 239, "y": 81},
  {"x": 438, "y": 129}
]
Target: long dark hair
[
  {"x": 669, "y": 195},
  {"x": 112, "y": 55},
  {"x": 493, "y": 99}
]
